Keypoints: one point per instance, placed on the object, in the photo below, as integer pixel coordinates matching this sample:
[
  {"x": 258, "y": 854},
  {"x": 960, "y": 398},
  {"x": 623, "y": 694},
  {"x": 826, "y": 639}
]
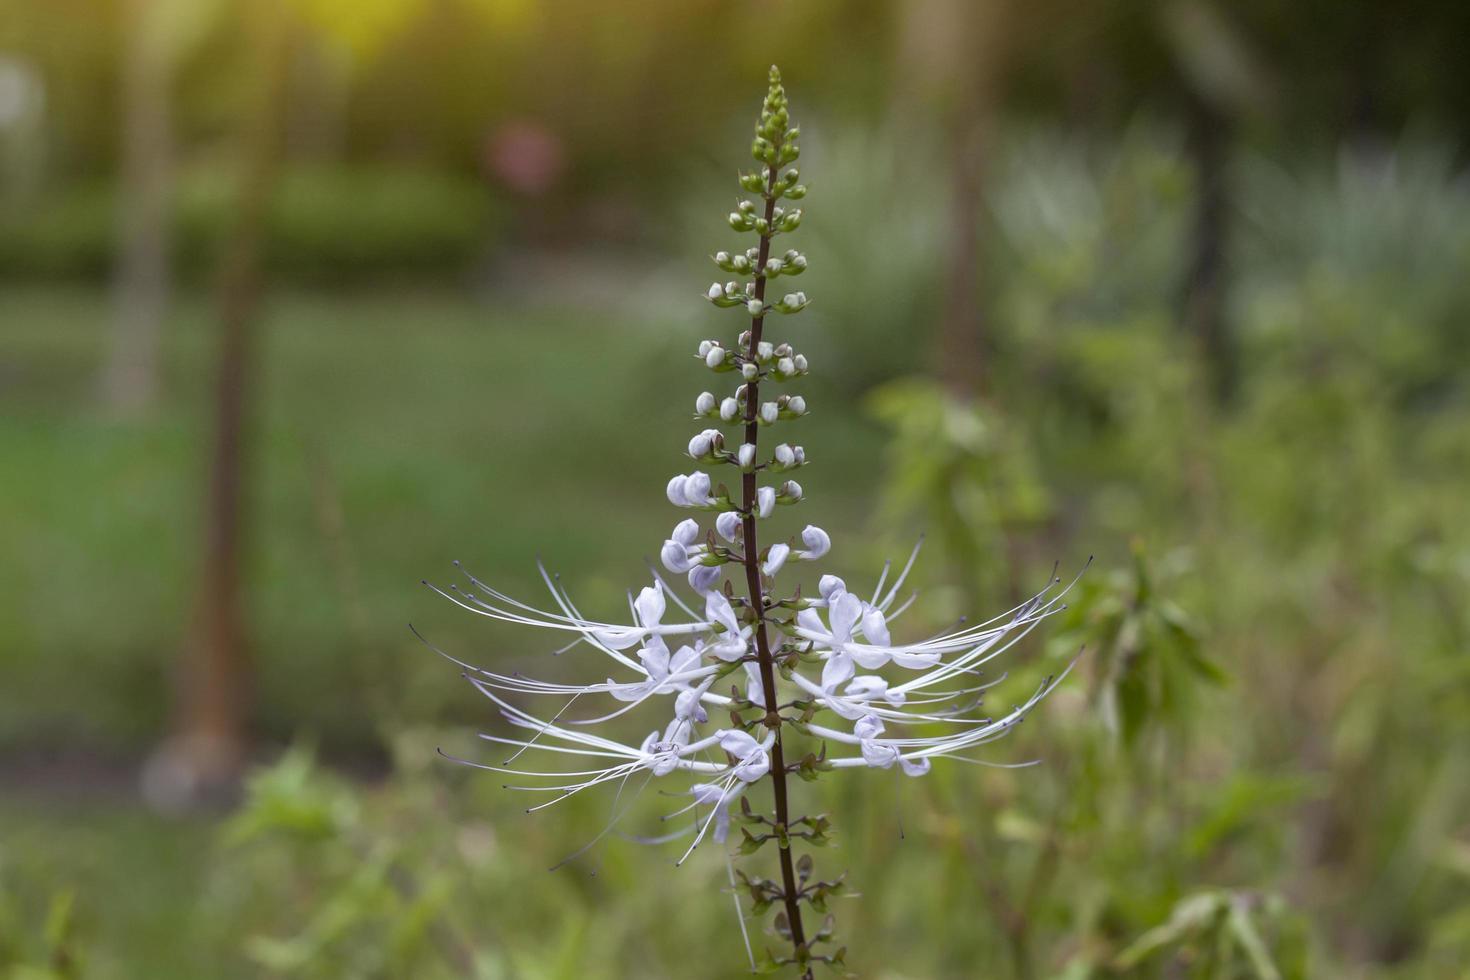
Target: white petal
[
  {"x": 686, "y": 532},
  {"x": 875, "y": 627},
  {"x": 914, "y": 767},
  {"x": 675, "y": 491},
  {"x": 765, "y": 501},
  {"x": 755, "y": 690},
  {"x": 830, "y": 584},
  {"x": 878, "y": 755},
  {"x": 675, "y": 557},
  {"x": 702, "y": 578},
  {"x": 869, "y": 726},
  {"x": 837, "y": 669},
  {"x": 727, "y": 525},
  {"x": 737, "y": 743},
  {"x": 696, "y": 489},
  {"x": 650, "y": 605},
  {"x": 775, "y": 558},
  {"x": 843, "y": 615},
  {"x": 817, "y": 542},
  {"x": 867, "y": 687}
]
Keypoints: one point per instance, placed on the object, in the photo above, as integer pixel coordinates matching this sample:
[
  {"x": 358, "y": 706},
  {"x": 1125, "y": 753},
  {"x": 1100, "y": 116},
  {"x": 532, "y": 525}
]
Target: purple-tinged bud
[{"x": 727, "y": 526}]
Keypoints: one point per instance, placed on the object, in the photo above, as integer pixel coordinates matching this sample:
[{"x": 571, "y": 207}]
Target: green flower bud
[
  {"x": 797, "y": 192},
  {"x": 792, "y": 221}
]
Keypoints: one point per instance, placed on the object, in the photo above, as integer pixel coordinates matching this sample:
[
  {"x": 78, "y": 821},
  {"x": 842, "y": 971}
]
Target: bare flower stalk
[{"x": 825, "y": 654}]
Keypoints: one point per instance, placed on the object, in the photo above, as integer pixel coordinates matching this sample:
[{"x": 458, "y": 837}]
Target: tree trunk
[
  {"x": 950, "y": 67},
  {"x": 142, "y": 274},
  {"x": 202, "y": 761},
  {"x": 1204, "y": 312}
]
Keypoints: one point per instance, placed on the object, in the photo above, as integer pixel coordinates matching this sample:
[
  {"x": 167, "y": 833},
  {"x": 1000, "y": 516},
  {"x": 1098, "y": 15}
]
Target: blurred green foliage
[{"x": 327, "y": 225}]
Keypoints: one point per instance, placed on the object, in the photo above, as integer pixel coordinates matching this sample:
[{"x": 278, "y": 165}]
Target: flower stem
[{"x": 757, "y": 601}]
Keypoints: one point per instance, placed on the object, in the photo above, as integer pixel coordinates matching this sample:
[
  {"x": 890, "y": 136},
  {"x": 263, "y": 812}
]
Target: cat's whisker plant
[{"x": 775, "y": 667}]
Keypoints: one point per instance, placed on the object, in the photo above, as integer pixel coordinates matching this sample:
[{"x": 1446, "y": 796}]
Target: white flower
[
  {"x": 797, "y": 405},
  {"x": 705, "y": 403},
  {"x": 729, "y": 408},
  {"x": 753, "y": 762},
  {"x": 765, "y": 501},
  {"x": 734, "y": 642},
  {"x": 699, "y": 446},
  {"x": 769, "y": 412},
  {"x": 715, "y": 292},
  {"x": 786, "y": 366},
  {"x": 715, "y": 356},
  {"x": 784, "y": 455},
  {"x": 747, "y": 456}
]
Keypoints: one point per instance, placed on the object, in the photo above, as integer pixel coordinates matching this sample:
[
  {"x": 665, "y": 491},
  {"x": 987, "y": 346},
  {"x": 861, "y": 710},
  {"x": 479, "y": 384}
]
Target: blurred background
[{"x": 301, "y": 300}]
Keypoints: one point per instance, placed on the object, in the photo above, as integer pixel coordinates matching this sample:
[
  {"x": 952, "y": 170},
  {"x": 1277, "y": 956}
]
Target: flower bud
[
  {"x": 800, "y": 362},
  {"x": 746, "y": 456},
  {"x": 769, "y": 412},
  {"x": 754, "y": 306},
  {"x": 775, "y": 558},
  {"x": 791, "y": 221},
  {"x": 702, "y": 579},
  {"x": 714, "y": 357},
  {"x": 704, "y": 346},
  {"x": 765, "y": 501},
  {"x": 729, "y": 408},
  {"x": 727, "y": 526},
  {"x": 796, "y": 192},
  {"x": 752, "y": 182},
  {"x": 763, "y": 351},
  {"x": 699, "y": 446},
  {"x": 686, "y": 532},
  {"x": 746, "y": 206},
  {"x": 785, "y": 366},
  {"x": 722, "y": 259},
  {"x": 715, "y": 292},
  {"x": 791, "y": 491},
  {"x": 797, "y": 405},
  {"x": 829, "y": 584},
  {"x": 696, "y": 489},
  {"x": 675, "y": 557},
  {"x": 704, "y": 404},
  {"x": 675, "y": 491},
  {"x": 817, "y": 542},
  {"x": 784, "y": 456},
  {"x": 773, "y": 267},
  {"x": 748, "y": 371},
  {"x": 738, "y": 221},
  {"x": 740, "y": 264}
]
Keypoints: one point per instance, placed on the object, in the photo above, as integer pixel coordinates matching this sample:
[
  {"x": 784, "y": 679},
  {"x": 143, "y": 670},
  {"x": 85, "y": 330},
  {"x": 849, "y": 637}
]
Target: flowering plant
[{"x": 823, "y": 669}]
